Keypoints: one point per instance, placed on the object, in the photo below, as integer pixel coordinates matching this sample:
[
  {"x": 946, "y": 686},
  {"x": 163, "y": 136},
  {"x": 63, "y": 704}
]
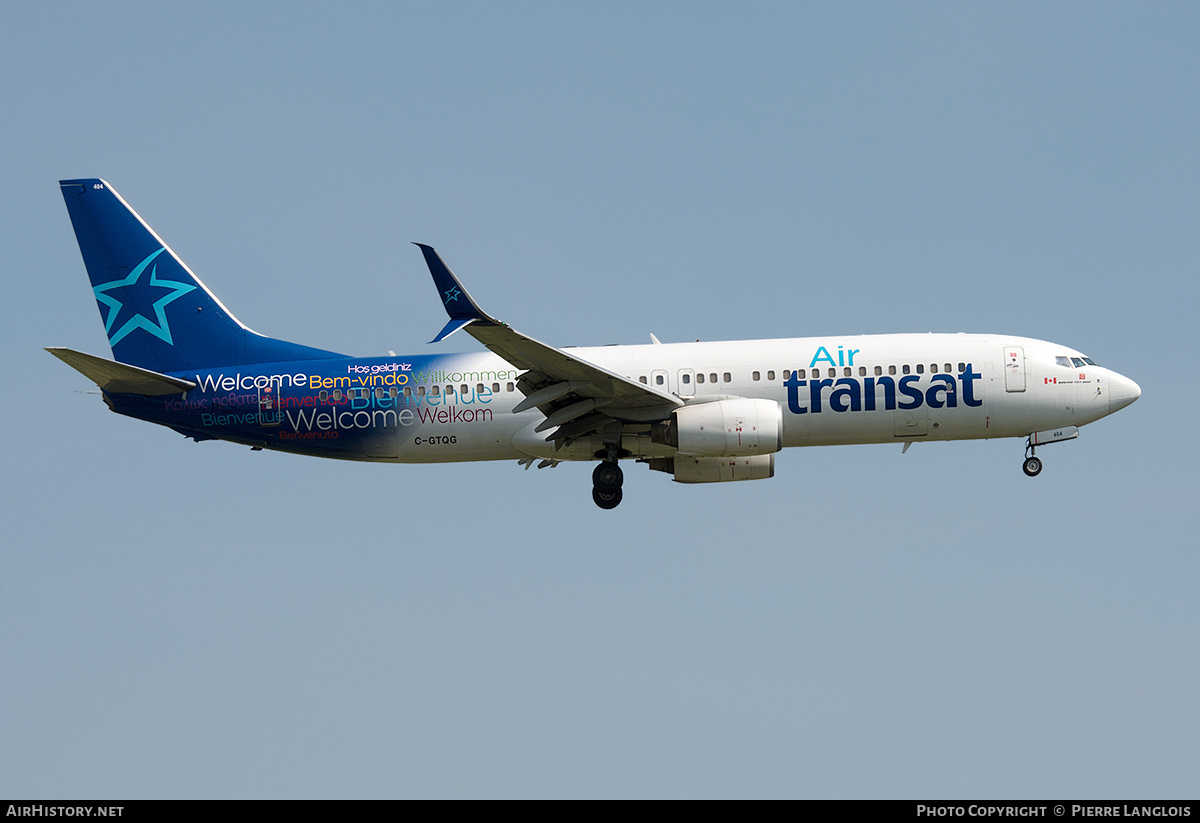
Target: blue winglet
[
  {"x": 450, "y": 328},
  {"x": 463, "y": 310}
]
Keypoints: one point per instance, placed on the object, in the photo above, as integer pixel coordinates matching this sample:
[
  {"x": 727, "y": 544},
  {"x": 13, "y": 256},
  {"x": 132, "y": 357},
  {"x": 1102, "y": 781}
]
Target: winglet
[
  {"x": 463, "y": 310},
  {"x": 450, "y": 328}
]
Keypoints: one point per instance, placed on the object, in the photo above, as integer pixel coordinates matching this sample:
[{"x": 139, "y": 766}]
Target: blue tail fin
[{"x": 157, "y": 314}]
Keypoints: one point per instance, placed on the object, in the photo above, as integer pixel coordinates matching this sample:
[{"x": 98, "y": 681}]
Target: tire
[
  {"x": 1032, "y": 467},
  {"x": 606, "y": 499},
  {"x": 608, "y": 476}
]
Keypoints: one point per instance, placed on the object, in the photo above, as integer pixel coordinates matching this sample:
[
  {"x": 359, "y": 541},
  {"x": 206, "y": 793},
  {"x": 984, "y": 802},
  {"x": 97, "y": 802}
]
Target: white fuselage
[{"x": 833, "y": 391}]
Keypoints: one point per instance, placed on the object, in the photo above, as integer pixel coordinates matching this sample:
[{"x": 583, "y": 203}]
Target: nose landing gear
[
  {"x": 1032, "y": 466},
  {"x": 606, "y": 484}
]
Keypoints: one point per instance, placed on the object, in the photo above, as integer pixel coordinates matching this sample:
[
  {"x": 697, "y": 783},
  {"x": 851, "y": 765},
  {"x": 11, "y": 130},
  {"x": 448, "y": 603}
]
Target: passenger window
[
  {"x": 755, "y": 375},
  {"x": 787, "y": 374},
  {"x": 700, "y": 377},
  {"x": 421, "y": 391},
  {"x": 933, "y": 368},
  {"x": 878, "y": 370},
  {"x": 799, "y": 373},
  {"x": 495, "y": 388},
  {"x": 381, "y": 392},
  {"x": 324, "y": 395},
  {"x": 846, "y": 372},
  {"x": 436, "y": 391},
  {"x": 962, "y": 367},
  {"x": 658, "y": 379},
  {"x": 479, "y": 388},
  {"x": 920, "y": 368},
  {"x": 905, "y": 368},
  {"x": 712, "y": 377},
  {"x": 891, "y": 369},
  {"x": 464, "y": 388},
  {"x": 408, "y": 391},
  {"x": 337, "y": 395},
  {"x": 509, "y": 387},
  {"x": 770, "y": 375},
  {"x": 947, "y": 369},
  {"x": 642, "y": 380},
  {"x": 726, "y": 377},
  {"x": 687, "y": 379}
]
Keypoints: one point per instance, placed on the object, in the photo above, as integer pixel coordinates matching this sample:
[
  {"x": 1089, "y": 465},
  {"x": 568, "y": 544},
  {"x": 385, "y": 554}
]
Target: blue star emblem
[
  {"x": 140, "y": 293},
  {"x": 452, "y": 294}
]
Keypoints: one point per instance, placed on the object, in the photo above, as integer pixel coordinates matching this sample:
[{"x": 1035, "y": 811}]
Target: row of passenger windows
[
  {"x": 700, "y": 378},
  {"x": 685, "y": 378},
  {"x": 409, "y": 391},
  {"x": 846, "y": 371},
  {"x": 659, "y": 380}
]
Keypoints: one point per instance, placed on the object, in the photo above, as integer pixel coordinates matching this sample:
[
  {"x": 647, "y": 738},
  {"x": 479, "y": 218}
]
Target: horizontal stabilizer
[{"x": 120, "y": 377}]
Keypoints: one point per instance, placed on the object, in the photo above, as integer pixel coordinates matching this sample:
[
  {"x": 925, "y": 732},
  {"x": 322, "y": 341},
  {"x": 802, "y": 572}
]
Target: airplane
[{"x": 703, "y": 412}]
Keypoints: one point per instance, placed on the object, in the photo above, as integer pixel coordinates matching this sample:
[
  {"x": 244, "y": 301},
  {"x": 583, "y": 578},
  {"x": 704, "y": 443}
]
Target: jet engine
[{"x": 723, "y": 428}]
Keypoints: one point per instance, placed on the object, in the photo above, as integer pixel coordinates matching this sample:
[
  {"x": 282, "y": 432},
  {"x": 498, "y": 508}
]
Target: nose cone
[{"x": 1121, "y": 391}]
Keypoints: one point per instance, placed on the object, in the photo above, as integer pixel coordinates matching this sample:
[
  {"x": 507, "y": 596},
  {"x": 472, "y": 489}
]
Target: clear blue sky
[{"x": 197, "y": 620}]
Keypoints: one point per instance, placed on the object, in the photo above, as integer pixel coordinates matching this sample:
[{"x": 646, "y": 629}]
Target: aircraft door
[
  {"x": 658, "y": 379},
  {"x": 1014, "y": 368},
  {"x": 687, "y": 383},
  {"x": 269, "y": 411}
]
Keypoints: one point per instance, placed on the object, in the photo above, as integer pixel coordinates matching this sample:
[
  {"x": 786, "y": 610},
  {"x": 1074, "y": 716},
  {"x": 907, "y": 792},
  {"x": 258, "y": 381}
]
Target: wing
[{"x": 577, "y": 397}]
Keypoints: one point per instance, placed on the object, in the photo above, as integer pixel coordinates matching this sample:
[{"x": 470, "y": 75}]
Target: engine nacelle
[
  {"x": 689, "y": 469},
  {"x": 724, "y": 428}
]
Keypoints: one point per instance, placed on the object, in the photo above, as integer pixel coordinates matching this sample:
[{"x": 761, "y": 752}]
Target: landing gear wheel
[
  {"x": 608, "y": 476},
  {"x": 606, "y": 499},
  {"x": 1032, "y": 467}
]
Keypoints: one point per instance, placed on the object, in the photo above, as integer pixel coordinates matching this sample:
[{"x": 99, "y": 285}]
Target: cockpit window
[
  {"x": 1078, "y": 361},
  {"x": 1062, "y": 360},
  {"x": 1090, "y": 361}
]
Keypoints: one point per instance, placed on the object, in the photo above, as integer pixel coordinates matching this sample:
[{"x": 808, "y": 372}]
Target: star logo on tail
[
  {"x": 452, "y": 294},
  {"x": 140, "y": 296}
]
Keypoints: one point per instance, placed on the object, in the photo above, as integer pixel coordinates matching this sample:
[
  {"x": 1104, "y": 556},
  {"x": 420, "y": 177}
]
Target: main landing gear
[
  {"x": 1033, "y": 465},
  {"x": 606, "y": 484}
]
